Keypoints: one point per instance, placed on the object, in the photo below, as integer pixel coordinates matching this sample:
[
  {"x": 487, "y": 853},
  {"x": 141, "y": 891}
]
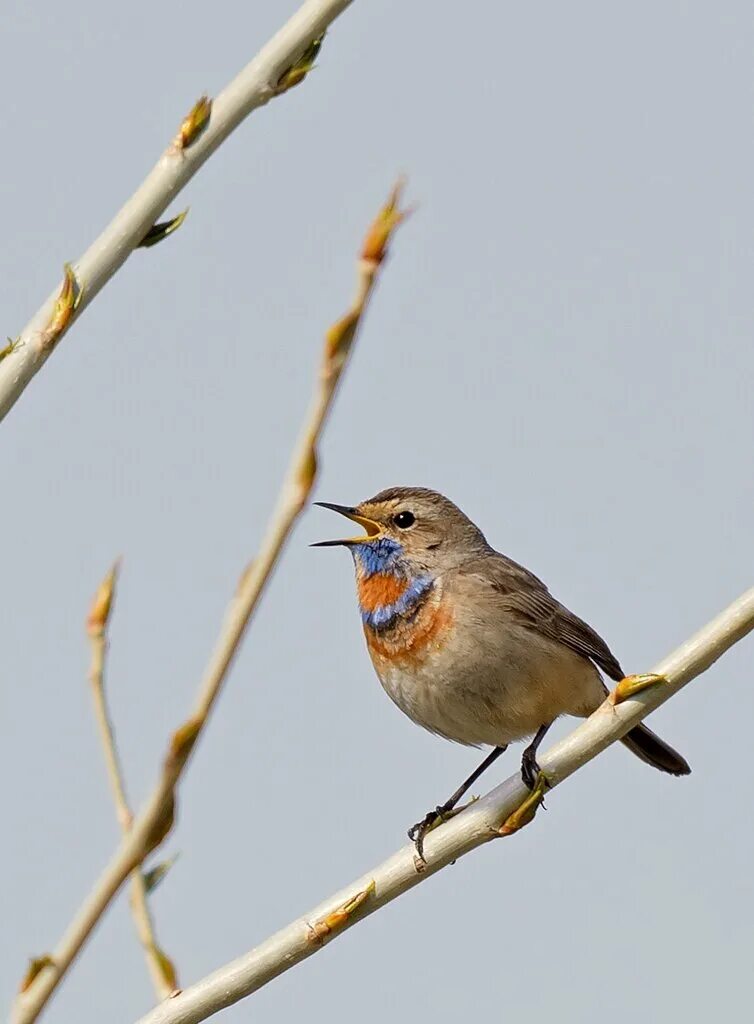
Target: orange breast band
[
  {"x": 414, "y": 641},
  {"x": 380, "y": 590}
]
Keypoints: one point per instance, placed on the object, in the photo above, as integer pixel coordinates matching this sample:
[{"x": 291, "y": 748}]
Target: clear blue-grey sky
[{"x": 561, "y": 342}]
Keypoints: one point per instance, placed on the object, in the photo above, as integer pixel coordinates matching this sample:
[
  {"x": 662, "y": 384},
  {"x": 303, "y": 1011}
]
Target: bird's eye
[{"x": 403, "y": 520}]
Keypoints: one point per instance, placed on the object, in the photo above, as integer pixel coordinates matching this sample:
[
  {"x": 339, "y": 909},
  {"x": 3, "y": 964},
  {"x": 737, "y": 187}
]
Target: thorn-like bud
[
  {"x": 182, "y": 742},
  {"x": 387, "y": 220},
  {"x": 65, "y": 306},
  {"x": 10, "y": 347},
  {"x": 632, "y": 685},
  {"x": 339, "y": 339},
  {"x": 155, "y": 875},
  {"x": 160, "y": 231},
  {"x": 524, "y": 814},
  {"x": 102, "y": 604},
  {"x": 36, "y": 965},
  {"x": 319, "y": 931},
  {"x": 161, "y": 827},
  {"x": 194, "y": 123},
  {"x": 167, "y": 969},
  {"x": 244, "y": 577},
  {"x": 308, "y": 470},
  {"x": 296, "y": 73}
]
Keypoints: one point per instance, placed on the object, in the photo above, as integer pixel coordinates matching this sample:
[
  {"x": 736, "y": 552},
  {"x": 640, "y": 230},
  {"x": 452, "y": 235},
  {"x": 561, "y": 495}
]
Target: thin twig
[
  {"x": 501, "y": 812},
  {"x": 282, "y": 63},
  {"x": 155, "y": 821},
  {"x": 160, "y": 966}
]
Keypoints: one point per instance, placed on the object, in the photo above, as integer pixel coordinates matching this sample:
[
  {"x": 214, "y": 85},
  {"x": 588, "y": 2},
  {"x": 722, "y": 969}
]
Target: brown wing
[{"x": 527, "y": 598}]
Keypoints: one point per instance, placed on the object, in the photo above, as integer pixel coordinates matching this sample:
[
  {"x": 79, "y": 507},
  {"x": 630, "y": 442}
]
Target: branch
[
  {"x": 156, "y": 820},
  {"x": 279, "y": 66},
  {"x": 503, "y": 811},
  {"x": 160, "y": 966}
]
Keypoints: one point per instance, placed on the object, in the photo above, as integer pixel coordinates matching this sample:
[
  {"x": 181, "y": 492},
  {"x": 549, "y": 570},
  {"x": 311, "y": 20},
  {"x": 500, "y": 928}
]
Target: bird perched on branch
[{"x": 470, "y": 644}]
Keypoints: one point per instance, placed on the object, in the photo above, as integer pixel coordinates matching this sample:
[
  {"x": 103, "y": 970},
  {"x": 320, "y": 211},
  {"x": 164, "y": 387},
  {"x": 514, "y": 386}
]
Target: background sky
[{"x": 561, "y": 342}]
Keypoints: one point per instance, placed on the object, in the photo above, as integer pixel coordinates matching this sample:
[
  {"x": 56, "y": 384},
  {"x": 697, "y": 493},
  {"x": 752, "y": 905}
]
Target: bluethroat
[{"x": 470, "y": 644}]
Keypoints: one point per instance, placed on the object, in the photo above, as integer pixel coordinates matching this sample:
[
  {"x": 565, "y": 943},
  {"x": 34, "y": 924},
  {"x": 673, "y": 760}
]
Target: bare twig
[
  {"x": 155, "y": 821},
  {"x": 281, "y": 64},
  {"x": 502, "y": 812},
  {"x": 160, "y": 966}
]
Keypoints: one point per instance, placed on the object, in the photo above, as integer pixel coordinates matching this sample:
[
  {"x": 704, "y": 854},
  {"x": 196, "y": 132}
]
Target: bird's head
[{"x": 409, "y": 530}]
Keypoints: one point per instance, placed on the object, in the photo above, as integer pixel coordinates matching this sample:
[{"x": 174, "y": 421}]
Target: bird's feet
[
  {"x": 431, "y": 820},
  {"x": 534, "y": 778},
  {"x": 529, "y": 768}
]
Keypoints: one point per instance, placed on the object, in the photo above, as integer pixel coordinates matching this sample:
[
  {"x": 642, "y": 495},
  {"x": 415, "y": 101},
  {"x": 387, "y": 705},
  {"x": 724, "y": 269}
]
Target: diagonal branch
[
  {"x": 156, "y": 820},
  {"x": 503, "y": 811},
  {"x": 160, "y": 967},
  {"x": 280, "y": 65}
]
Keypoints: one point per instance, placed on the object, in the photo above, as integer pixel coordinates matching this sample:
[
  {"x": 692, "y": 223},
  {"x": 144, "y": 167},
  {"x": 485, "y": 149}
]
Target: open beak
[{"x": 372, "y": 529}]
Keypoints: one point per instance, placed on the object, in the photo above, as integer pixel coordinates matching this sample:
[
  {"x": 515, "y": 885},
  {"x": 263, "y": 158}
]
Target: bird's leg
[
  {"x": 529, "y": 766},
  {"x": 433, "y": 818}
]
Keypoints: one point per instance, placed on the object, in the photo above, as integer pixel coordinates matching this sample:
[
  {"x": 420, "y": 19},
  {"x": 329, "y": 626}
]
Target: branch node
[
  {"x": 374, "y": 249},
  {"x": 66, "y": 305},
  {"x": 243, "y": 579},
  {"x": 338, "y": 341},
  {"x": 167, "y": 970},
  {"x": 632, "y": 685},
  {"x": 159, "y": 830},
  {"x": 12, "y": 344},
  {"x": 307, "y": 473},
  {"x": 297, "y": 72},
  {"x": 525, "y": 812},
  {"x": 160, "y": 231},
  {"x": 181, "y": 744},
  {"x": 335, "y": 920},
  {"x": 36, "y": 965},
  {"x": 193, "y": 124}
]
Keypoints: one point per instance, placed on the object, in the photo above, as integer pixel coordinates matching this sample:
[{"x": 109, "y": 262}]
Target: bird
[{"x": 470, "y": 644}]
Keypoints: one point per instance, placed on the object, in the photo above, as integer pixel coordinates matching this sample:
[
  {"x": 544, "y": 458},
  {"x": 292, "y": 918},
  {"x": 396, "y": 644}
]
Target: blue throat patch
[{"x": 383, "y": 555}]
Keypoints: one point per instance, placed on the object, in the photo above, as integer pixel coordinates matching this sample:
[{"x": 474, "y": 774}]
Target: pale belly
[{"x": 475, "y": 693}]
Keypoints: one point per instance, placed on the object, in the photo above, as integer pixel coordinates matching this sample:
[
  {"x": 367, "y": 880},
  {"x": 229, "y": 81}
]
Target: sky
[{"x": 560, "y": 341}]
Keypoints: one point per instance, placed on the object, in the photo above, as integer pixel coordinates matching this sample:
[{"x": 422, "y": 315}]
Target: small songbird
[{"x": 470, "y": 644}]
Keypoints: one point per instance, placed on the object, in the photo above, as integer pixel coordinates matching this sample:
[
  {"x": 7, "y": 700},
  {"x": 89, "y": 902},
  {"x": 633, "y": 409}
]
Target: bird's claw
[
  {"x": 530, "y": 769},
  {"x": 431, "y": 820}
]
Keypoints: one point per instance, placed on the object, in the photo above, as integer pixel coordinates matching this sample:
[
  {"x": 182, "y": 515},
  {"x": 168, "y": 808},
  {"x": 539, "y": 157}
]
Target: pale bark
[{"x": 159, "y": 965}]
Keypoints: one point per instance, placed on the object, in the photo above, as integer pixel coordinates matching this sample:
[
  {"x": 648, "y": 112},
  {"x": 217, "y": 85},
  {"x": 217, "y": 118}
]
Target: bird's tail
[{"x": 650, "y": 748}]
